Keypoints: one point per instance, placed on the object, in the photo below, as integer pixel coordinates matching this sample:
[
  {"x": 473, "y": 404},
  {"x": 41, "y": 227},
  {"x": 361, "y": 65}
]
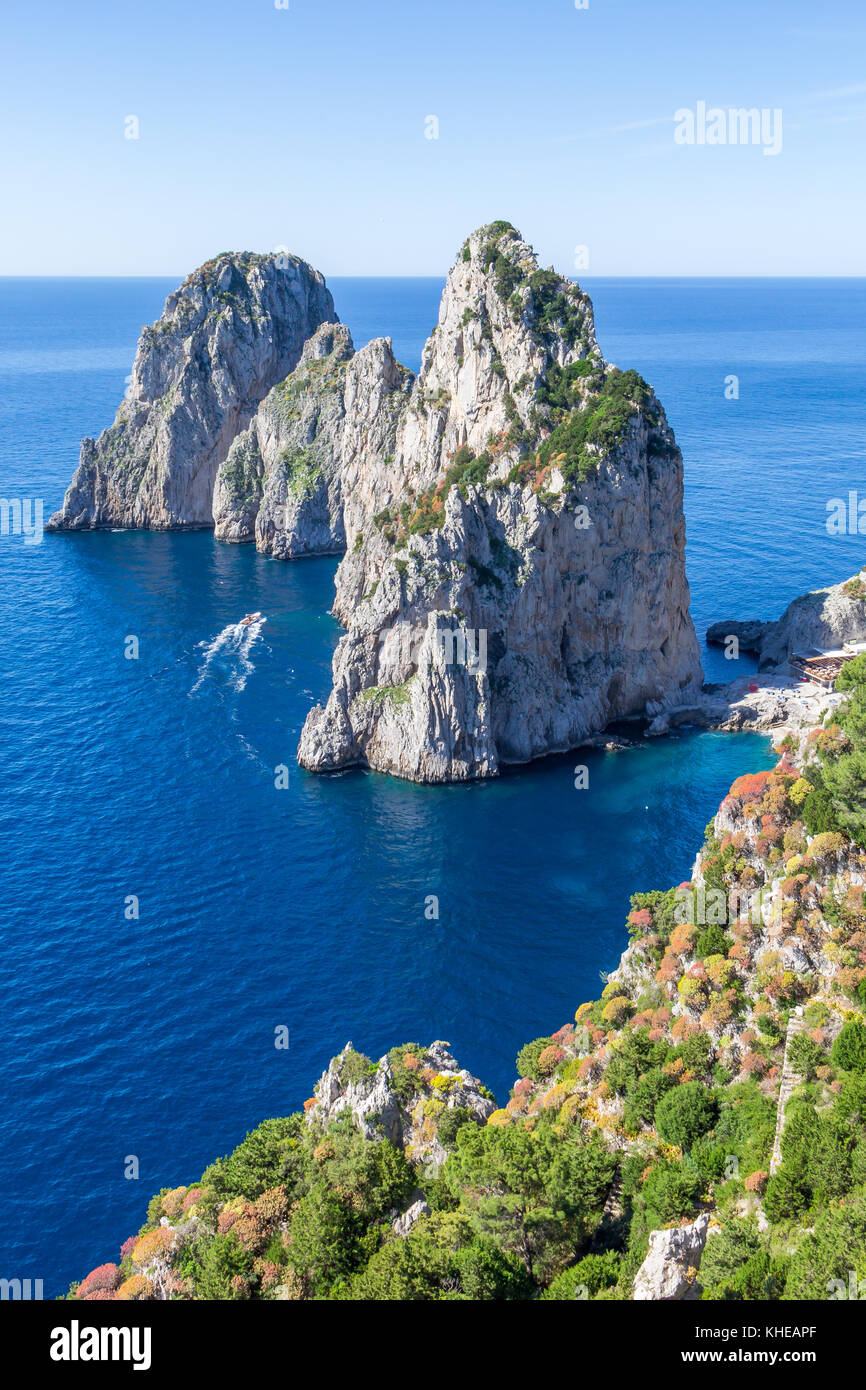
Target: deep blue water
[{"x": 305, "y": 907}]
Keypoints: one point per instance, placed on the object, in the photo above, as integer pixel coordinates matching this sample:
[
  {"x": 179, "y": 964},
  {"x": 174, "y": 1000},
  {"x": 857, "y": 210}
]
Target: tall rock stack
[
  {"x": 515, "y": 572},
  {"x": 514, "y": 568},
  {"x": 233, "y": 329}
]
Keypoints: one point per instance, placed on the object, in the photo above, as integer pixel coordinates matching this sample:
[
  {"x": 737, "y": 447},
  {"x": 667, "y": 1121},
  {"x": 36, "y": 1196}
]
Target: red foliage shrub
[
  {"x": 268, "y": 1272},
  {"x": 753, "y": 1064},
  {"x": 749, "y": 787},
  {"x": 669, "y": 970},
  {"x": 104, "y": 1278},
  {"x": 549, "y": 1059}
]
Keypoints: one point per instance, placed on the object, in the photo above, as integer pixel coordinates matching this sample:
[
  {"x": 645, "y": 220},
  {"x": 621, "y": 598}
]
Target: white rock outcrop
[
  {"x": 824, "y": 618},
  {"x": 233, "y": 329},
  {"x": 379, "y": 1110},
  {"x": 403, "y": 1224},
  {"x": 670, "y": 1269}
]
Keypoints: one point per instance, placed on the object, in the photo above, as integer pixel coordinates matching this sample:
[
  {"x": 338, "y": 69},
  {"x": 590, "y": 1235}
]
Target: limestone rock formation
[
  {"x": 670, "y": 1269},
  {"x": 403, "y": 1224},
  {"x": 824, "y": 619},
  {"x": 382, "y": 1106},
  {"x": 515, "y": 573},
  {"x": 233, "y": 329},
  {"x": 750, "y": 633},
  {"x": 283, "y": 480}
]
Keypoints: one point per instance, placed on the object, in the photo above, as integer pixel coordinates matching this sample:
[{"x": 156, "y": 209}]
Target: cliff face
[
  {"x": 514, "y": 576},
  {"x": 380, "y": 1103},
  {"x": 515, "y": 572},
  {"x": 230, "y": 332},
  {"x": 824, "y": 618},
  {"x": 283, "y": 481}
]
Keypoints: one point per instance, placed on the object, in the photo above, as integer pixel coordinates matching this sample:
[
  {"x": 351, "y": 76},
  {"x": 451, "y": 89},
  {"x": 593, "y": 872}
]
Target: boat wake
[{"x": 226, "y": 659}]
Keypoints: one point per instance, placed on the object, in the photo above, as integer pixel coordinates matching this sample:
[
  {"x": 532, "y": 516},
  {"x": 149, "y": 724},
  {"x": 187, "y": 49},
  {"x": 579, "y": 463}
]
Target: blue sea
[{"x": 258, "y": 908}]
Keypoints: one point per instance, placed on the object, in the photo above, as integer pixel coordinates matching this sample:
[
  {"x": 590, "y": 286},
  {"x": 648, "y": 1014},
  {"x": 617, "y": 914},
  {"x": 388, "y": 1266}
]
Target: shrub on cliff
[
  {"x": 442, "y": 1257},
  {"x": 270, "y": 1154},
  {"x": 224, "y": 1260},
  {"x": 849, "y": 1049},
  {"x": 735, "y": 1264},
  {"x": 404, "y": 1062},
  {"x": 135, "y": 1289},
  {"x": 666, "y": 1194},
  {"x": 837, "y": 802},
  {"x": 713, "y": 941},
  {"x": 805, "y": 1055},
  {"x": 587, "y": 1278},
  {"x": 153, "y": 1245},
  {"x": 825, "y": 1259},
  {"x": 528, "y": 1057},
  {"x": 643, "y": 1097},
  {"x": 538, "y": 1193},
  {"x": 105, "y": 1278},
  {"x": 685, "y": 1114},
  {"x": 451, "y": 1122},
  {"x": 816, "y": 1160}
]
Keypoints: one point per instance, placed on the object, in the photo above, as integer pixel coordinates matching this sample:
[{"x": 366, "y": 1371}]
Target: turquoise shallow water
[{"x": 305, "y": 907}]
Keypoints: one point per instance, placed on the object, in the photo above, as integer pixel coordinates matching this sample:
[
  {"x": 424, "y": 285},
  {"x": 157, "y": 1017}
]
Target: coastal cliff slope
[
  {"x": 822, "y": 619},
  {"x": 697, "y": 1131},
  {"x": 515, "y": 570},
  {"x": 233, "y": 329}
]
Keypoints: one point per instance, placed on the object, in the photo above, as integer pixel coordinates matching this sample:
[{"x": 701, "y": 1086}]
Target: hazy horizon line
[{"x": 347, "y": 275}]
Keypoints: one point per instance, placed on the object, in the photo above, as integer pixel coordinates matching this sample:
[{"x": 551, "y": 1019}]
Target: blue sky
[{"x": 305, "y": 127}]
